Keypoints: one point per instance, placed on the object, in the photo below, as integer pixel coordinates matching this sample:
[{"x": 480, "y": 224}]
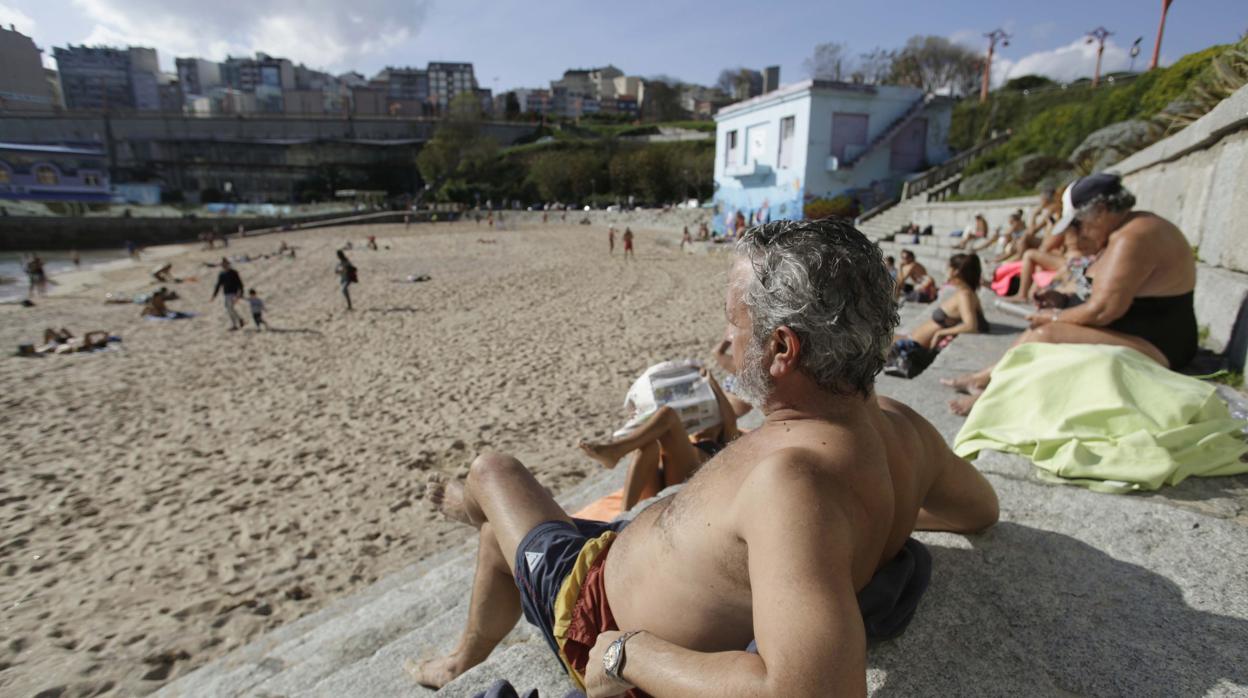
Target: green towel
[{"x": 1104, "y": 417}]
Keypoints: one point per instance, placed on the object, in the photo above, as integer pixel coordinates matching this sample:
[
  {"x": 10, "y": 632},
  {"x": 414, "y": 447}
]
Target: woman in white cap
[{"x": 1142, "y": 284}]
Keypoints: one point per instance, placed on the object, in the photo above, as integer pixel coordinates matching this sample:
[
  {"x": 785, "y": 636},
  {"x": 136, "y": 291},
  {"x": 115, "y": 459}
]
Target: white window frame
[
  {"x": 732, "y": 148},
  {"x": 784, "y": 156}
]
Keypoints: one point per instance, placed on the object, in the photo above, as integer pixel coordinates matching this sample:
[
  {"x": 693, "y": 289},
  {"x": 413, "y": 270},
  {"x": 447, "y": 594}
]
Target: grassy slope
[{"x": 1055, "y": 122}]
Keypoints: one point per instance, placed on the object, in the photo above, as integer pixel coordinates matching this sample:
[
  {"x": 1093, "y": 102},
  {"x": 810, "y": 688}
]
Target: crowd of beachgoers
[{"x": 234, "y": 436}]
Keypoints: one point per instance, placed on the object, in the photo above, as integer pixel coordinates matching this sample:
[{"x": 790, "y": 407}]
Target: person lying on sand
[
  {"x": 665, "y": 453},
  {"x": 772, "y": 540},
  {"x": 63, "y": 341}
]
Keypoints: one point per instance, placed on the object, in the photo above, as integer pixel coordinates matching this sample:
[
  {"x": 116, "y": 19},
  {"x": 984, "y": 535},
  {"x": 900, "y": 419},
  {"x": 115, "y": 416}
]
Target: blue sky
[{"x": 515, "y": 44}]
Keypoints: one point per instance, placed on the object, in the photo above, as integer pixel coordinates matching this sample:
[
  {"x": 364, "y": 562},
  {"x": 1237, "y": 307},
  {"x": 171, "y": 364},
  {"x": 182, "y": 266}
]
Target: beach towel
[
  {"x": 605, "y": 508},
  {"x": 1005, "y": 273},
  {"x": 171, "y": 315},
  {"x": 1104, "y": 417}
]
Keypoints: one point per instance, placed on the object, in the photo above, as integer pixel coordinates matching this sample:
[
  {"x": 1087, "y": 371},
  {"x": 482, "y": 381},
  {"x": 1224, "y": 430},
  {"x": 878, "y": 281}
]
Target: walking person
[
  {"x": 346, "y": 276},
  {"x": 37, "y": 277},
  {"x": 257, "y": 309},
  {"x": 230, "y": 285},
  {"x": 628, "y": 244},
  {"x": 611, "y": 240}
]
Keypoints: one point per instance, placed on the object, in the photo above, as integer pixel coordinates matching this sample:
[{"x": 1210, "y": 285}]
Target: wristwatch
[{"x": 613, "y": 658}]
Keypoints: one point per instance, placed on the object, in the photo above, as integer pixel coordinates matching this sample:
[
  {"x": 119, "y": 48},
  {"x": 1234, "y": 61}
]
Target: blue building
[
  {"x": 53, "y": 173},
  {"x": 820, "y": 139}
]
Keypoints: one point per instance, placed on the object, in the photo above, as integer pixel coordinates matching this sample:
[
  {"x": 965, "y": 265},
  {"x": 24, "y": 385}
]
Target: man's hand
[{"x": 597, "y": 683}]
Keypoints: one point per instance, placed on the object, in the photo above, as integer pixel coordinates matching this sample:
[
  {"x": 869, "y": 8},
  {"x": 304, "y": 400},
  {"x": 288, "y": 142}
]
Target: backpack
[{"x": 907, "y": 359}]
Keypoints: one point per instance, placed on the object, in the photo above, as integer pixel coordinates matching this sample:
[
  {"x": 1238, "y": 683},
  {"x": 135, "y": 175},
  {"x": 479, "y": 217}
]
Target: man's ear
[{"x": 788, "y": 349}]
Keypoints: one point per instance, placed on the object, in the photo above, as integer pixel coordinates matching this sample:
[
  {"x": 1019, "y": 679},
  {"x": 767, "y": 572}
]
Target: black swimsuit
[{"x": 1166, "y": 322}]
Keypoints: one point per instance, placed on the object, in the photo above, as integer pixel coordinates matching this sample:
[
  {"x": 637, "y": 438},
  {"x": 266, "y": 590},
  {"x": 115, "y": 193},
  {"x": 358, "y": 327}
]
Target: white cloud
[
  {"x": 327, "y": 34},
  {"x": 1071, "y": 62},
  {"x": 11, "y": 16}
]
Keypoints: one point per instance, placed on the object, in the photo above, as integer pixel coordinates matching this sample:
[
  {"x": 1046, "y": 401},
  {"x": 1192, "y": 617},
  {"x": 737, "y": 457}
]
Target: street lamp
[
  {"x": 993, "y": 37},
  {"x": 1098, "y": 35},
  {"x": 1135, "y": 51}
]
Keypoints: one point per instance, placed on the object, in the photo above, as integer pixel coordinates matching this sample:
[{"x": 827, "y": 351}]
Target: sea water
[{"x": 13, "y": 282}]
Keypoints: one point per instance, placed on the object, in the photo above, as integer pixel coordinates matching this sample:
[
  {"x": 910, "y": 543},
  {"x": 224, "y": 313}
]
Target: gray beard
[{"x": 754, "y": 382}]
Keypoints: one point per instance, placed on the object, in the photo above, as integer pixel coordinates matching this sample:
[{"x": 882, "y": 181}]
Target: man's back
[{"x": 683, "y": 569}]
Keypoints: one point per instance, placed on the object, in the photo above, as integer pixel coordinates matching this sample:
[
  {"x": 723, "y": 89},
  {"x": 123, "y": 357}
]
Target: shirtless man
[
  {"x": 773, "y": 538},
  {"x": 914, "y": 274}
]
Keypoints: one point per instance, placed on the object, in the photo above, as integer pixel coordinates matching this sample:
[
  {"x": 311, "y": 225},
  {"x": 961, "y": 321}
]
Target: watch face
[{"x": 612, "y": 655}]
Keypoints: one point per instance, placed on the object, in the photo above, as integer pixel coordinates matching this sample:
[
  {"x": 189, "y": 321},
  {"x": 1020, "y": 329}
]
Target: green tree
[
  {"x": 457, "y": 149},
  {"x": 512, "y": 110},
  {"x": 935, "y": 63}
]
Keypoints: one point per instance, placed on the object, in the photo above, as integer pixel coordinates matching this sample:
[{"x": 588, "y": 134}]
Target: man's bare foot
[
  {"x": 961, "y": 406},
  {"x": 434, "y": 673},
  {"x": 966, "y": 383},
  {"x": 607, "y": 454},
  {"x": 447, "y": 496}
]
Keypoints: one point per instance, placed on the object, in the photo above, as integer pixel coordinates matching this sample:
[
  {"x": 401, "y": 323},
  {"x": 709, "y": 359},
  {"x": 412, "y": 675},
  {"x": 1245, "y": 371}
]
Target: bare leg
[
  {"x": 505, "y": 501},
  {"x": 664, "y": 426},
  {"x": 493, "y": 612},
  {"x": 1031, "y": 260},
  {"x": 644, "y": 478},
  {"x": 1053, "y": 333}
]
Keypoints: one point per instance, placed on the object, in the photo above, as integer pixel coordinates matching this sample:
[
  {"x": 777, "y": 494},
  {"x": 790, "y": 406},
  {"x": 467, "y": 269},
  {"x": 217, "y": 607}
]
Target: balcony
[{"x": 746, "y": 170}]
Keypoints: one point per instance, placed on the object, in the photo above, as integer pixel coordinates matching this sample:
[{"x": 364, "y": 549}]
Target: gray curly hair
[
  {"x": 827, "y": 282},
  {"x": 1119, "y": 200}
]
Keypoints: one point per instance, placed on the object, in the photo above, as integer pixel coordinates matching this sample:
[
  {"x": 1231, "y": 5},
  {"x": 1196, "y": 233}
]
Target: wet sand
[{"x": 165, "y": 501}]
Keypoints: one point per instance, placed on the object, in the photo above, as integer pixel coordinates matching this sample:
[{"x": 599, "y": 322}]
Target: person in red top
[{"x": 628, "y": 244}]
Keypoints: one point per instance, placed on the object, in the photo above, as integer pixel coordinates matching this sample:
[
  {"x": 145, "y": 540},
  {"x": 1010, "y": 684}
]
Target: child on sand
[
  {"x": 628, "y": 244},
  {"x": 257, "y": 309}
]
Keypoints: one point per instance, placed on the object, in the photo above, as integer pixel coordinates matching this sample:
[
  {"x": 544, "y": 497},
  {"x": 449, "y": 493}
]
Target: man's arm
[{"x": 807, "y": 624}]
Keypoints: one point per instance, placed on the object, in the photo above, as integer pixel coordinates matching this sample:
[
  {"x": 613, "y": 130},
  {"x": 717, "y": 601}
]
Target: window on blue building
[
  {"x": 788, "y": 128},
  {"x": 732, "y": 149}
]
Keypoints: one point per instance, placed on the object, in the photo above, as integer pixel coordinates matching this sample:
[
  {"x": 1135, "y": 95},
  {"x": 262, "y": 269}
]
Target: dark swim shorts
[{"x": 558, "y": 570}]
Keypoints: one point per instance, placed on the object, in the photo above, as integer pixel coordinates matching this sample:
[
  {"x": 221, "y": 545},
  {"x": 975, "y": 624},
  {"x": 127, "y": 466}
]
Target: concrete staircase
[
  {"x": 887, "y": 134},
  {"x": 1073, "y": 593}
]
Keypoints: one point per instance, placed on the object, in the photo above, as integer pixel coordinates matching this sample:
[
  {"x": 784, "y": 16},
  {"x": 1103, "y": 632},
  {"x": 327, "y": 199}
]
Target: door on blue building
[{"x": 909, "y": 147}]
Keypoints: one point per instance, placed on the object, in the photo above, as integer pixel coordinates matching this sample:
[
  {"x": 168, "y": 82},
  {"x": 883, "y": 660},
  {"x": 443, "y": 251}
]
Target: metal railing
[{"x": 950, "y": 167}]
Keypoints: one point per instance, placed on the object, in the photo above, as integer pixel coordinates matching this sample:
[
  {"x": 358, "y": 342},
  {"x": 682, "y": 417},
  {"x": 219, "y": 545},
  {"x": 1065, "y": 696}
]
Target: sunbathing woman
[
  {"x": 960, "y": 312},
  {"x": 1142, "y": 284},
  {"x": 1069, "y": 253},
  {"x": 665, "y": 454}
]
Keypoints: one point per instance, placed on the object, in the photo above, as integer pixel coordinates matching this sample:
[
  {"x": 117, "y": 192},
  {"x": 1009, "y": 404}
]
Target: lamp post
[
  {"x": 993, "y": 37},
  {"x": 1098, "y": 35},
  {"x": 1161, "y": 28},
  {"x": 1135, "y": 51}
]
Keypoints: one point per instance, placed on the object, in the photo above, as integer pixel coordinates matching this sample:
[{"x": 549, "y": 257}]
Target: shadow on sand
[{"x": 1030, "y": 612}]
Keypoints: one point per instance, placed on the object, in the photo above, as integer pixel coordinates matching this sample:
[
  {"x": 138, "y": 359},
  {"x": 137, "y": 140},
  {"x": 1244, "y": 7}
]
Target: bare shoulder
[
  {"x": 793, "y": 471},
  {"x": 913, "y": 432}
]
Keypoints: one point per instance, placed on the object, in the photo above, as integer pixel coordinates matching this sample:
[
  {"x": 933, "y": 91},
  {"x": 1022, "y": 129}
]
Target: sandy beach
[{"x": 167, "y": 500}]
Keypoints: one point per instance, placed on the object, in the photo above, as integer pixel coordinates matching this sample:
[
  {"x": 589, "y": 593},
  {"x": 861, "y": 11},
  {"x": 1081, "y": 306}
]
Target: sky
[{"x": 527, "y": 44}]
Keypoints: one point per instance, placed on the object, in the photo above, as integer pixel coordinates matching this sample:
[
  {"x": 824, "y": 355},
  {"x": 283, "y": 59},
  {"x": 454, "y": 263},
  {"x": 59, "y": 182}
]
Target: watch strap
[{"x": 613, "y": 669}]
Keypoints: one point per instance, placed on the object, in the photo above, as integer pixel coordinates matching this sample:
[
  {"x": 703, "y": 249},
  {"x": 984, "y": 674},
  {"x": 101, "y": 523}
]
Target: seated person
[
  {"x": 1071, "y": 254},
  {"x": 913, "y": 281},
  {"x": 155, "y": 306},
  {"x": 1142, "y": 284},
  {"x": 666, "y": 455},
  {"x": 974, "y": 233},
  {"x": 960, "y": 312},
  {"x": 1009, "y": 244},
  {"x": 1043, "y": 217},
  {"x": 771, "y": 541}
]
